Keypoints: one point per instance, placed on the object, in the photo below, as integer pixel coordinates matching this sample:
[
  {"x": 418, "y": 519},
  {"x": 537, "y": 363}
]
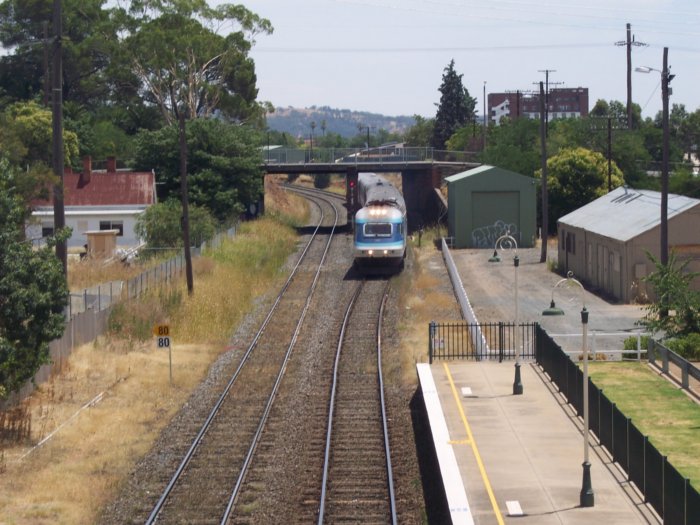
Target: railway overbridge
[{"x": 422, "y": 171}]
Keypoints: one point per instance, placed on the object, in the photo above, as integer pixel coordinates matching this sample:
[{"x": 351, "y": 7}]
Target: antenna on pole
[{"x": 629, "y": 42}]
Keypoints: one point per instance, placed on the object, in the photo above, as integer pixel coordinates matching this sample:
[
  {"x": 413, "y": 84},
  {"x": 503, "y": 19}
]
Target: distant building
[
  {"x": 605, "y": 242},
  {"x": 97, "y": 200},
  {"x": 562, "y": 103}
]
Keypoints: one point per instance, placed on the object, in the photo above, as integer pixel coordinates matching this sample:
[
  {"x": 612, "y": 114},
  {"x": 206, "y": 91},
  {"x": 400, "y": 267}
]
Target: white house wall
[{"x": 88, "y": 220}]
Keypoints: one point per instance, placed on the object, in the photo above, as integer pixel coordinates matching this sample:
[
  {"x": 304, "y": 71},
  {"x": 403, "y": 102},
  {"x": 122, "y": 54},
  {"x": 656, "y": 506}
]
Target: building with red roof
[{"x": 97, "y": 200}]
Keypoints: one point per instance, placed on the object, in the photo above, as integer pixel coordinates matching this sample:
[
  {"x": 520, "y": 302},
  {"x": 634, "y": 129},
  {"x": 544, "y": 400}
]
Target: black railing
[
  {"x": 663, "y": 487},
  {"x": 462, "y": 340}
]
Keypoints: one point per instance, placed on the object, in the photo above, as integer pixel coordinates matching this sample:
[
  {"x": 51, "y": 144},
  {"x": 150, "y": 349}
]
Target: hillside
[{"x": 297, "y": 121}]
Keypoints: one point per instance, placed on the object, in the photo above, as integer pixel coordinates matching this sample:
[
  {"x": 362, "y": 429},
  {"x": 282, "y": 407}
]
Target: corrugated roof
[
  {"x": 108, "y": 189},
  {"x": 624, "y": 213}
]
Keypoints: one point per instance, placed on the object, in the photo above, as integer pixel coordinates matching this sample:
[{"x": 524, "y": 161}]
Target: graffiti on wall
[{"x": 486, "y": 236}]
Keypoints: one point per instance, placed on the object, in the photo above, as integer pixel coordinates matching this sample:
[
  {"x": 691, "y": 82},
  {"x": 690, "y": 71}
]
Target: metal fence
[
  {"x": 165, "y": 272},
  {"x": 668, "y": 492},
  {"x": 465, "y": 340},
  {"x": 478, "y": 339},
  {"x": 382, "y": 154},
  {"x": 87, "y": 313}
]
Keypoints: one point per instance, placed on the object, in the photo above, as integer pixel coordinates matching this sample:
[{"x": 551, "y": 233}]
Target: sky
[{"x": 388, "y": 56}]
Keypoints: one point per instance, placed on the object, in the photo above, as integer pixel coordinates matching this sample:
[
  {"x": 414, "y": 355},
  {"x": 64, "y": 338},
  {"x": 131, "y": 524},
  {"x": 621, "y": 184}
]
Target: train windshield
[{"x": 378, "y": 229}]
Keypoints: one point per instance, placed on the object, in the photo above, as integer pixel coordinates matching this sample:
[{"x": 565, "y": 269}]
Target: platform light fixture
[
  {"x": 587, "y": 496},
  {"x": 508, "y": 242}
]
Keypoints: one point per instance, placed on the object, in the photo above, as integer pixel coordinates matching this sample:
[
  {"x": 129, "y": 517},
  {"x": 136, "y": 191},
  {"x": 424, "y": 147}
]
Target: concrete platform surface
[{"x": 526, "y": 451}]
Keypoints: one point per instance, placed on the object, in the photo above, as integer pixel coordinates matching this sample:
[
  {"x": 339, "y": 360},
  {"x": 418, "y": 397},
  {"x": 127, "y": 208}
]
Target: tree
[
  {"x": 223, "y": 167},
  {"x": 456, "y": 107},
  {"x": 617, "y": 111},
  {"x": 29, "y": 130},
  {"x": 627, "y": 148},
  {"x": 514, "y": 145},
  {"x": 159, "y": 226},
  {"x": 190, "y": 71},
  {"x": 88, "y": 43},
  {"x": 421, "y": 133},
  {"x": 33, "y": 292},
  {"x": 672, "y": 286},
  {"x": 576, "y": 177}
]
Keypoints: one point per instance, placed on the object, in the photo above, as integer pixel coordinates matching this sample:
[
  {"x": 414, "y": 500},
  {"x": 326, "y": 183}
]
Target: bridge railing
[{"x": 358, "y": 156}]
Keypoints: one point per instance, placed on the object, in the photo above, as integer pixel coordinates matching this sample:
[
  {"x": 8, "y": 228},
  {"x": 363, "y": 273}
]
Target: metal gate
[{"x": 463, "y": 340}]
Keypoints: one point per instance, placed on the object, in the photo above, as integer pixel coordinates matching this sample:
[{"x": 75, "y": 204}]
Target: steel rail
[
  {"x": 385, "y": 427},
  {"x": 217, "y": 406},
  {"x": 331, "y": 410},
  {"x": 331, "y": 405},
  {"x": 268, "y": 407}
]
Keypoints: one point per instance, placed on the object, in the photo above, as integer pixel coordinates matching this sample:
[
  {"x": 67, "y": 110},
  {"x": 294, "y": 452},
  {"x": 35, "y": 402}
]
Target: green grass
[{"x": 658, "y": 408}]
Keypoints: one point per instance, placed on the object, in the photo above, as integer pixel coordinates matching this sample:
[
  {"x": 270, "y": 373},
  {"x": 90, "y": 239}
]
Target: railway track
[
  {"x": 206, "y": 481},
  {"x": 357, "y": 481}
]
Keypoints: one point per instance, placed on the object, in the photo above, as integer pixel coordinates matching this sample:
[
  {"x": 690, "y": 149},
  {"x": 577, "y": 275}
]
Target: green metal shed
[{"x": 487, "y": 202}]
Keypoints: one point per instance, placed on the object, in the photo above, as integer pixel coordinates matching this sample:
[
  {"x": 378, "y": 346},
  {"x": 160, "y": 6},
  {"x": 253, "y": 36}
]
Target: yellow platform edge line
[{"x": 470, "y": 437}]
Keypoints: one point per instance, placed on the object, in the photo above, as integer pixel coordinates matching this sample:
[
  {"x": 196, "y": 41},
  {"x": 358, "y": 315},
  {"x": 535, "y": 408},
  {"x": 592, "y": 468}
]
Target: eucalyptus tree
[
  {"x": 192, "y": 61},
  {"x": 89, "y": 39}
]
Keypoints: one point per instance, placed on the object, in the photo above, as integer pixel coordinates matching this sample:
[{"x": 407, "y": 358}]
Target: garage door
[{"x": 494, "y": 213}]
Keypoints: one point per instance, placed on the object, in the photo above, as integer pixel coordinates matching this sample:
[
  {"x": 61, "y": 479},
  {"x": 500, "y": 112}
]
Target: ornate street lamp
[
  {"x": 587, "y": 497},
  {"x": 508, "y": 242}
]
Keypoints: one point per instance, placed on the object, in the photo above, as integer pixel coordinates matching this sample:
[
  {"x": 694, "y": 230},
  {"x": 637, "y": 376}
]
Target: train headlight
[
  {"x": 386, "y": 252},
  {"x": 370, "y": 252}
]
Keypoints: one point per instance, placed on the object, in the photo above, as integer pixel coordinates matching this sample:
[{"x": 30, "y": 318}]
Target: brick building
[{"x": 562, "y": 103}]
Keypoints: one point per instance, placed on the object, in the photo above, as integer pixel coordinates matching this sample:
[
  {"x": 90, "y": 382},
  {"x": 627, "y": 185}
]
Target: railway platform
[{"x": 508, "y": 458}]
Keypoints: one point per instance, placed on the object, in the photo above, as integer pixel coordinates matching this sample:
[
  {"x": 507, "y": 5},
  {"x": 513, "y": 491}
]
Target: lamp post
[
  {"x": 508, "y": 242},
  {"x": 666, "y": 78},
  {"x": 587, "y": 497}
]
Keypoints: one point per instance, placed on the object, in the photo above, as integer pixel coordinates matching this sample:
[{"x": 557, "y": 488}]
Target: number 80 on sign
[{"x": 162, "y": 334}]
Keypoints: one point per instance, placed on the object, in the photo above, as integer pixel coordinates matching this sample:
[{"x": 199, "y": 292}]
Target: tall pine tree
[{"x": 456, "y": 107}]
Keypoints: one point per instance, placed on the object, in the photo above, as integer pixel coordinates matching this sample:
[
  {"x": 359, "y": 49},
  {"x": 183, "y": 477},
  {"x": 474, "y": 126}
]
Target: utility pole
[
  {"x": 545, "y": 197},
  {"x": 546, "y": 96},
  {"x": 483, "y": 133},
  {"x": 47, "y": 75},
  {"x": 629, "y": 43},
  {"x": 59, "y": 211}
]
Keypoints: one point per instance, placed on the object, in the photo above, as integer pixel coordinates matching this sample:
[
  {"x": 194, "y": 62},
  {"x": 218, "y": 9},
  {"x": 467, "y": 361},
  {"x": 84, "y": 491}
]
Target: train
[{"x": 380, "y": 225}]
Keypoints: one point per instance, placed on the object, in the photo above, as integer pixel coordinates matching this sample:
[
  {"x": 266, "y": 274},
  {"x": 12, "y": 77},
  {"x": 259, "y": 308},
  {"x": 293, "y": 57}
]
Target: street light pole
[
  {"x": 508, "y": 242},
  {"x": 587, "y": 496},
  {"x": 665, "y": 79}
]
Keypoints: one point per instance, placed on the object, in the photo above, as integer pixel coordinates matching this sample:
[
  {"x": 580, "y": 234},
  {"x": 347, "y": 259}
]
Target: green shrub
[
  {"x": 687, "y": 347},
  {"x": 631, "y": 342}
]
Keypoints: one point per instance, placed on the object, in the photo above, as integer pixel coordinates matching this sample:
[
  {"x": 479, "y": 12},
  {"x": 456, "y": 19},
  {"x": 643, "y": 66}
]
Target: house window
[
  {"x": 113, "y": 225},
  {"x": 46, "y": 230}
]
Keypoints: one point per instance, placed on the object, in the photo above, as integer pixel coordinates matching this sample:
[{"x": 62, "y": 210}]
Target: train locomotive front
[{"x": 380, "y": 225}]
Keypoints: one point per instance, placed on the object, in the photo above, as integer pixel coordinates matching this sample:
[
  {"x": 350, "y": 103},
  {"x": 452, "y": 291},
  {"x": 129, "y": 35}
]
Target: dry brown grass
[
  {"x": 68, "y": 478},
  {"x": 90, "y": 272},
  {"x": 421, "y": 301},
  {"x": 71, "y": 476}
]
